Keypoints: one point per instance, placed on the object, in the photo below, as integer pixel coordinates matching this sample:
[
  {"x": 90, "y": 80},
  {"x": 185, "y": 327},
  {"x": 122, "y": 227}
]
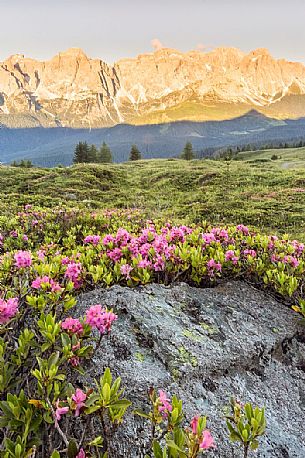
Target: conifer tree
[
  {"x": 81, "y": 153},
  {"x": 92, "y": 154},
  {"x": 104, "y": 155},
  {"x": 135, "y": 154},
  {"x": 188, "y": 153}
]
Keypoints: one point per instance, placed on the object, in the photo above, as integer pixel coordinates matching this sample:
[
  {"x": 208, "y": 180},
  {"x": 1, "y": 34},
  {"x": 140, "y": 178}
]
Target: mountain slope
[
  {"x": 51, "y": 146},
  {"x": 72, "y": 90}
]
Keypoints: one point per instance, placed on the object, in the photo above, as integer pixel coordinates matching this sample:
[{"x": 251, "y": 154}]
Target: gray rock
[{"x": 205, "y": 345}]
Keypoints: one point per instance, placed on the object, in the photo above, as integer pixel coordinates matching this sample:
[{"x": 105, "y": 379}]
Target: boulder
[{"x": 205, "y": 345}]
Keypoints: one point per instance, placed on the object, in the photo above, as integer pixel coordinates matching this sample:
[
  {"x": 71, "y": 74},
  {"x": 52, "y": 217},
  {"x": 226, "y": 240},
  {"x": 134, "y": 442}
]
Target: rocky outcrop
[
  {"x": 74, "y": 90},
  {"x": 206, "y": 345}
]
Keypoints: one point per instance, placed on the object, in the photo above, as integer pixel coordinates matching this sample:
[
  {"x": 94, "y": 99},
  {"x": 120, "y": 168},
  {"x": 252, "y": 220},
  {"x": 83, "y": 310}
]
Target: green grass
[{"x": 253, "y": 190}]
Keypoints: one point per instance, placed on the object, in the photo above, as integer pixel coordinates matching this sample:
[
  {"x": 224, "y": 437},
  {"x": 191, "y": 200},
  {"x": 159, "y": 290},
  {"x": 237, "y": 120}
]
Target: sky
[{"x": 114, "y": 29}]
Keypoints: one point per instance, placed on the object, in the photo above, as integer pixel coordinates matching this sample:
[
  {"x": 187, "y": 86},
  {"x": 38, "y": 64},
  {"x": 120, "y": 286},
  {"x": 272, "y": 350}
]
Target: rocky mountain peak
[{"x": 165, "y": 85}]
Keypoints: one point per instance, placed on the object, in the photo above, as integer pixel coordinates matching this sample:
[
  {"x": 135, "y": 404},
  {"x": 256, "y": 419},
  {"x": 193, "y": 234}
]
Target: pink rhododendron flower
[
  {"x": 39, "y": 282},
  {"x": 72, "y": 325},
  {"x": 81, "y": 454},
  {"x": 230, "y": 256},
  {"x": 60, "y": 410},
  {"x": 207, "y": 440},
  {"x": 94, "y": 239},
  {"x": 41, "y": 255},
  {"x": 74, "y": 361},
  {"x": 251, "y": 253},
  {"x": 79, "y": 397},
  {"x": 292, "y": 261},
  {"x": 243, "y": 229},
  {"x": 115, "y": 254},
  {"x": 108, "y": 239},
  {"x": 213, "y": 265},
  {"x": 125, "y": 270},
  {"x": 73, "y": 272},
  {"x": 99, "y": 318},
  {"x": 8, "y": 309},
  {"x": 144, "y": 264},
  {"x": 165, "y": 405},
  {"x": 194, "y": 424},
  {"x": 23, "y": 259},
  {"x": 209, "y": 237}
]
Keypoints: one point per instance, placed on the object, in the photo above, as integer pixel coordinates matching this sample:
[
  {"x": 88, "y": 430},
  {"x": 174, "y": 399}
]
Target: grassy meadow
[{"x": 253, "y": 190}]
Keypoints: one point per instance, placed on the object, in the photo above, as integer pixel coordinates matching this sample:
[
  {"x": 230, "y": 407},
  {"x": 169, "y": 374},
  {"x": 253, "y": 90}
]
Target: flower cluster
[
  {"x": 8, "y": 309},
  {"x": 23, "y": 259},
  {"x": 164, "y": 404},
  {"x": 73, "y": 272},
  {"x": 72, "y": 326},
  {"x": 46, "y": 282},
  {"x": 100, "y": 318}
]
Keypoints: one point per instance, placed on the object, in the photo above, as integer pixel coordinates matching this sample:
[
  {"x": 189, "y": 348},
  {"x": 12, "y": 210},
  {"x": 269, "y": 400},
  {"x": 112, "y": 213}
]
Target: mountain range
[{"x": 72, "y": 90}]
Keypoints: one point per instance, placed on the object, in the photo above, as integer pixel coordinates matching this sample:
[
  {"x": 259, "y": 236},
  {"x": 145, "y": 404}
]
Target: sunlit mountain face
[{"x": 72, "y": 90}]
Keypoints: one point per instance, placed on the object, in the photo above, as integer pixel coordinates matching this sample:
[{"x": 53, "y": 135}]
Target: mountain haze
[{"x": 72, "y": 90}]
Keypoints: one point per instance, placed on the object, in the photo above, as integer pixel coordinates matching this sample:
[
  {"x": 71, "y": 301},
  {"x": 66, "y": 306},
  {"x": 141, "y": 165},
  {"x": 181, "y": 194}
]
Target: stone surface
[
  {"x": 73, "y": 90},
  {"x": 205, "y": 345}
]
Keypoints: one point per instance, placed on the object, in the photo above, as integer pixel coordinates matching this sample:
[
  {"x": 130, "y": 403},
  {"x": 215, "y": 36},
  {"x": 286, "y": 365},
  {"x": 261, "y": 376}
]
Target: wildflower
[
  {"x": 292, "y": 261},
  {"x": 99, "y": 318},
  {"x": 164, "y": 404},
  {"x": 243, "y": 229},
  {"x": 74, "y": 361},
  {"x": 194, "y": 424},
  {"x": 81, "y": 454},
  {"x": 73, "y": 272},
  {"x": 213, "y": 265},
  {"x": 23, "y": 259},
  {"x": 79, "y": 397},
  {"x": 39, "y": 282},
  {"x": 94, "y": 239},
  {"x": 125, "y": 270},
  {"x": 72, "y": 325},
  {"x": 41, "y": 255},
  {"x": 107, "y": 240},
  {"x": 60, "y": 410},
  {"x": 251, "y": 253},
  {"x": 8, "y": 309},
  {"x": 208, "y": 237},
  {"x": 144, "y": 264},
  {"x": 115, "y": 254},
  {"x": 207, "y": 440},
  {"x": 230, "y": 256}
]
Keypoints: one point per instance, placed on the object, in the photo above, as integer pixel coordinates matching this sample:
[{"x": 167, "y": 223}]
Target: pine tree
[
  {"x": 81, "y": 153},
  {"x": 135, "y": 154},
  {"x": 92, "y": 154},
  {"x": 188, "y": 153},
  {"x": 104, "y": 155}
]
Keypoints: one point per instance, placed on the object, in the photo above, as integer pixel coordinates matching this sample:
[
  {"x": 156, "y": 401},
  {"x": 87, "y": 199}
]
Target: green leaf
[{"x": 72, "y": 449}]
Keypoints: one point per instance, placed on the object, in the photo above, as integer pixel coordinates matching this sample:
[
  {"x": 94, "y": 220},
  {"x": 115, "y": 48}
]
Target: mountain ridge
[{"x": 73, "y": 90}]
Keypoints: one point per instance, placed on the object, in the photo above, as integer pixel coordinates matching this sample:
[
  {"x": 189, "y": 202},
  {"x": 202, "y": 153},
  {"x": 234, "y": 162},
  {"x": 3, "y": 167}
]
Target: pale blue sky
[{"x": 113, "y": 29}]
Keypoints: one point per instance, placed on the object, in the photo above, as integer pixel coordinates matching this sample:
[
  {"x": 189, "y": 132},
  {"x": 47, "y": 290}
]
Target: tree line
[{"x": 85, "y": 153}]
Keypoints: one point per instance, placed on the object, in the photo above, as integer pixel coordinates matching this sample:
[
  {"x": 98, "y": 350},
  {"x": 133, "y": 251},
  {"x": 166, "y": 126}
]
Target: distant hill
[{"x": 51, "y": 146}]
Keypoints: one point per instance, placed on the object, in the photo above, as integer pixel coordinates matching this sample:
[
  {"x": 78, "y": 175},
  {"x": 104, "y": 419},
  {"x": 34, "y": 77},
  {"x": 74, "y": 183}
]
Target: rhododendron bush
[{"x": 47, "y": 258}]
